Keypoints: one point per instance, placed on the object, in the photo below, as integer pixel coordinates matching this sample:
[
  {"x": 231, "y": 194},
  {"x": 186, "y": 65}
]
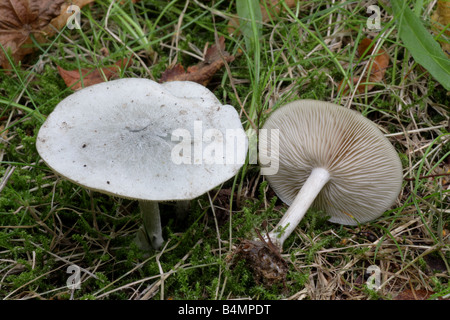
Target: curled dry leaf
[
  {"x": 22, "y": 18},
  {"x": 202, "y": 73},
  {"x": 376, "y": 70},
  {"x": 77, "y": 79},
  {"x": 59, "y": 22}
]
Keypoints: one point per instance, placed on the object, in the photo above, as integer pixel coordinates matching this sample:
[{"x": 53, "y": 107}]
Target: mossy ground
[{"x": 48, "y": 224}]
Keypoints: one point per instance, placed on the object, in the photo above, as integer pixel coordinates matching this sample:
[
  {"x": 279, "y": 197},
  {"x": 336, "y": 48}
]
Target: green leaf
[
  {"x": 250, "y": 21},
  {"x": 422, "y": 46}
]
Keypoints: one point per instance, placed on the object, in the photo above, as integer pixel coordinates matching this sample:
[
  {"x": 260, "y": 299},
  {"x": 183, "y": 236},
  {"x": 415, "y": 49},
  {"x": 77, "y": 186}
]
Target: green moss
[{"x": 48, "y": 222}]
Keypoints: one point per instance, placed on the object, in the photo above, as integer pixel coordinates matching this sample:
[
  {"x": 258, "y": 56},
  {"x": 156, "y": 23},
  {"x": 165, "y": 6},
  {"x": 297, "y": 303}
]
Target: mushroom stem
[
  {"x": 305, "y": 197},
  {"x": 151, "y": 233},
  {"x": 182, "y": 208}
]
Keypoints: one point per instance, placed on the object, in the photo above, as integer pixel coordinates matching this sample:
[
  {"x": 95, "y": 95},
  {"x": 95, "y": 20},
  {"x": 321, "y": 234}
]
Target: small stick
[{"x": 428, "y": 176}]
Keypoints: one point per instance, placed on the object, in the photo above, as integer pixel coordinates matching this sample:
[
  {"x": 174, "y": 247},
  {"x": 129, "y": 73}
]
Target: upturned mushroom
[
  {"x": 137, "y": 139},
  {"x": 331, "y": 158}
]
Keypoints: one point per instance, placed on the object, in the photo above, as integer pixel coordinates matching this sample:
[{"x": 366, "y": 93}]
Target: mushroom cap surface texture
[
  {"x": 365, "y": 170},
  {"x": 139, "y": 139}
]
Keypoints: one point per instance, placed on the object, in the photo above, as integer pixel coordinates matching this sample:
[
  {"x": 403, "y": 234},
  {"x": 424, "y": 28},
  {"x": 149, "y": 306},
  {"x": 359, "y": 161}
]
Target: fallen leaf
[
  {"x": 22, "y": 18},
  {"x": 3, "y": 133},
  {"x": 268, "y": 12},
  {"x": 376, "y": 70},
  {"x": 59, "y": 22},
  {"x": 446, "y": 169},
  {"x": 441, "y": 18},
  {"x": 409, "y": 294},
  {"x": 420, "y": 294},
  {"x": 173, "y": 73},
  {"x": 77, "y": 79},
  {"x": 203, "y": 71}
]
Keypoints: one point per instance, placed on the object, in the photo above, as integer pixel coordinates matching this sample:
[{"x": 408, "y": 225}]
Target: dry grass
[{"x": 48, "y": 224}]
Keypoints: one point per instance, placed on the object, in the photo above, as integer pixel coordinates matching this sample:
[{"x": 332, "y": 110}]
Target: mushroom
[
  {"x": 331, "y": 158},
  {"x": 138, "y": 139}
]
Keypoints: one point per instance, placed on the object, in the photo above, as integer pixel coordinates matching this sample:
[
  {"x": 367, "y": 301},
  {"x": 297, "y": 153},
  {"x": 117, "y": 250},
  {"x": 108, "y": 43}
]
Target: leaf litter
[
  {"x": 379, "y": 61},
  {"x": 22, "y": 20},
  {"x": 214, "y": 59},
  {"x": 441, "y": 19},
  {"x": 77, "y": 79}
]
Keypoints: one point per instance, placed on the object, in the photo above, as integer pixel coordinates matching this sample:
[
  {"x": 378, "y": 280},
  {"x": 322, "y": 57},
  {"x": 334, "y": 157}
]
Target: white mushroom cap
[
  {"x": 365, "y": 172},
  {"x": 117, "y": 137}
]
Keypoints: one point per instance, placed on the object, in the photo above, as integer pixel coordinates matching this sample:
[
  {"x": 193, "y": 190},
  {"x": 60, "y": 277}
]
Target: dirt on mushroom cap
[{"x": 117, "y": 138}]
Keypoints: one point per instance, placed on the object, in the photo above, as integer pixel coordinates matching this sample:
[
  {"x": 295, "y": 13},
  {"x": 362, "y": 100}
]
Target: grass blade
[
  {"x": 422, "y": 46},
  {"x": 250, "y": 16}
]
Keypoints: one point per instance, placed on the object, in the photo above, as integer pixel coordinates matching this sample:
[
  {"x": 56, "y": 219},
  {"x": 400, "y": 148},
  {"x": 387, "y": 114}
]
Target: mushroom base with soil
[
  {"x": 264, "y": 256},
  {"x": 264, "y": 259}
]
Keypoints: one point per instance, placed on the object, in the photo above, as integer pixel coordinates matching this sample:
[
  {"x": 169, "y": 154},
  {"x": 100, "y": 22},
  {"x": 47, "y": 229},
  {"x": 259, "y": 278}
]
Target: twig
[
  {"x": 31, "y": 281},
  {"x": 218, "y": 236},
  {"x": 423, "y": 254},
  {"x": 177, "y": 34},
  {"x": 428, "y": 176},
  {"x": 413, "y": 131},
  {"x": 227, "y": 67},
  {"x": 9, "y": 171},
  {"x": 155, "y": 286},
  {"x": 65, "y": 260},
  {"x": 161, "y": 271}
]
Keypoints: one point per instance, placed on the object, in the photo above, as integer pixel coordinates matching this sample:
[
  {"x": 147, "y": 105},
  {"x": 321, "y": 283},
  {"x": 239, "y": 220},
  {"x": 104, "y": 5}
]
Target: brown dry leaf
[
  {"x": 420, "y": 294},
  {"x": 409, "y": 294},
  {"x": 59, "y": 22},
  {"x": 21, "y": 18},
  {"x": 203, "y": 71},
  {"x": 274, "y": 7},
  {"x": 378, "y": 68},
  {"x": 3, "y": 133},
  {"x": 441, "y": 18},
  {"x": 73, "y": 78},
  {"x": 446, "y": 169}
]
